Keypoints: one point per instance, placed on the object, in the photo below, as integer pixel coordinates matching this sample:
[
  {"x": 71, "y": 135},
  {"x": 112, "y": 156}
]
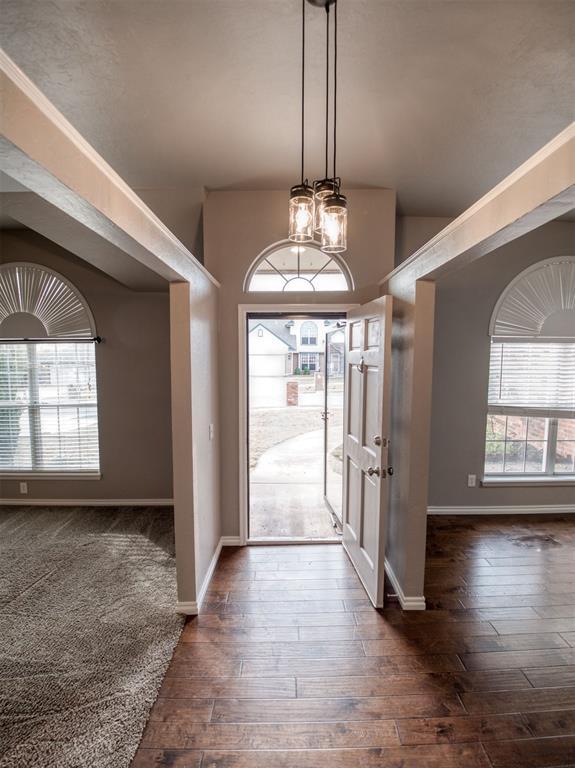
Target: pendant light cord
[
  {"x": 302, "y": 89},
  {"x": 334, "y": 87},
  {"x": 326, "y": 89}
]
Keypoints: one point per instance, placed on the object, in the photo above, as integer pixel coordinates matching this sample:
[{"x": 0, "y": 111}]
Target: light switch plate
[{"x": 471, "y": 481}]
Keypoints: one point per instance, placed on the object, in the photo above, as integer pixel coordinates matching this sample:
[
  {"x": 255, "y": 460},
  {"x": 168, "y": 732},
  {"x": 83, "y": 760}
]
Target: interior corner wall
[
  {"x": 206, "y": 425},
  {"x": 238, "y": 226},
  {"x": 133, "y": 378},
  {"x": 414, "y": 231},
  {"x": 464, "y": 304}
]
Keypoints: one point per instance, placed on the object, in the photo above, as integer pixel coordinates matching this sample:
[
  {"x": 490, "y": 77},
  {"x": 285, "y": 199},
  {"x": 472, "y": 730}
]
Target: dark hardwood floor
[{"x": 289, "y": 666}]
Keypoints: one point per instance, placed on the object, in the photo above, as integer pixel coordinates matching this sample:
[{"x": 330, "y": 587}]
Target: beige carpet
[{"x": 87, "y": 628}]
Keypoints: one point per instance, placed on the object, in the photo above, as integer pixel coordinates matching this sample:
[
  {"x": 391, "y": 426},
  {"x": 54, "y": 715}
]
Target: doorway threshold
[{"x": 271, "y": 541}]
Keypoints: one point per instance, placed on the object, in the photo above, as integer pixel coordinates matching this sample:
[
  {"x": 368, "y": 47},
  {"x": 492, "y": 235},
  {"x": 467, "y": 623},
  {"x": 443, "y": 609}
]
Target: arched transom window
[
  {"x": 297, "y": 268},
  {"x": 48, "y": 396},
  {"x": 531, "y": 399}
]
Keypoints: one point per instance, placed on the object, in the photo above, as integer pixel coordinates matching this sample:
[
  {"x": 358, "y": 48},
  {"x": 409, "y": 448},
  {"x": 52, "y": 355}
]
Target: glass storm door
[{"x": 334, "y": 386}]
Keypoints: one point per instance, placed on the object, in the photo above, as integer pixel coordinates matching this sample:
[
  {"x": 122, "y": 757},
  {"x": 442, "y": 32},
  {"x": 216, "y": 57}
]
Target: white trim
[
  {"x": 527, "y": 481},
  {"x": 407, "y": 602},
  {"x": 40, "y": 475},
  {"x": 192, "y": 607},
  {"x": 209, "y": 573},
  {"x": 507, "y": 509},
  {"x": 313, "y": 245},
  {"x": 273, "y": 542},
  {"x": 243, "y": 311},
  {"x": 24, "y": 502},
  {"x": 189, "y": 608}
]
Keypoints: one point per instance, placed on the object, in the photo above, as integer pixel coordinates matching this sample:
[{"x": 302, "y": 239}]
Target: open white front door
[{"x": 365, "y": 447}]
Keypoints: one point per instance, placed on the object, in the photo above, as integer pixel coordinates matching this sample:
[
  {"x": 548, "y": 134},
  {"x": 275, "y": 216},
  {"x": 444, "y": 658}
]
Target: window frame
[
  {"x": 514, "y": 322},
  {"x": 550, "y": 453},
  {"x": 34, "y": 409},
  {"x": 62, "y": 326},
  {"x": 308, "y": 341},
  {"x": 315, "y": 356}
]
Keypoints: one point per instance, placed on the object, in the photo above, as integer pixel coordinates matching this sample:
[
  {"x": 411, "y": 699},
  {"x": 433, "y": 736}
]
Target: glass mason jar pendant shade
[
  {"x": 334, "y": 224},
  {"x": 301, "y": 214},
  {"x": 321, "y": 190}
]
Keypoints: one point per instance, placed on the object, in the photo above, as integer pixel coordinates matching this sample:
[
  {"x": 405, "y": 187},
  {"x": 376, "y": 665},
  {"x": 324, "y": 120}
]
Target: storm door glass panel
[{"x": 334, "y": 380}]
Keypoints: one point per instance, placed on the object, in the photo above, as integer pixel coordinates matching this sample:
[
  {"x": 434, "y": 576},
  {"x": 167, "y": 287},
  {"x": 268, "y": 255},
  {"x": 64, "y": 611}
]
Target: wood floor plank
[
  {"x": 393, "y": 684},
  {"x": 452, "y": 730},
  {"x": 251, "y": 621},
  {"x": 195, "y": 634},
  {"x": 569, "y": 638},
  {"x": 556, "y": 611},
  {"x": 534, "y": 626},
  {"x": 356, "y": 666},
  {"x": 463, "y": 645},
  {"x": 375, "y": 733},
  {"x": 321, "y": 710},
  {"x": 535, "y": 700},
  {"x": 559, "y": 722},
  {"x": 444, "y": 756},
  {"x": 519, "y": 659},
  {"x": 232, "y": 687},
  {"x": 532, "y": 753},
  {"x": 551, "y": 677},
  {"x": 266, "y": 650},
  {"x": 384, "y": 630},
  {"x": 188, "y": 710},
  {"x": 156, "y": 758}
]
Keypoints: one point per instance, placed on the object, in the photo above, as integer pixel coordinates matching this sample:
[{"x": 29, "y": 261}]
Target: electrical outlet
[
  {"x": 23, "y": 487},
  {"x": 211, "y": 431},
  {"x": 471, "y": 481}
]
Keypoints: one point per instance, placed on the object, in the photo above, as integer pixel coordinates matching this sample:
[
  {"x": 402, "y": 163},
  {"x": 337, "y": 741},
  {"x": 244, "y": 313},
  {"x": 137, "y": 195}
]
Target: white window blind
[
  {"x": 532, "y": 375},
  {"x": 48, "y": 408}
]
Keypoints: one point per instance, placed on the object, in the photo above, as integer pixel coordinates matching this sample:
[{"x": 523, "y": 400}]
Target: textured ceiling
[{"x": 439, "y": 100}]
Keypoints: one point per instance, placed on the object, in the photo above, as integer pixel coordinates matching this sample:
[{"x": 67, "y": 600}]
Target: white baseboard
[
  {"x": 20, "y": 501},
  {"x": 188, "y": 609},
  {"x": 192, "y": 608},
  {"x": 407, "y": 602},
  {"x": 209, "y": 573},
  {"x": 521, "y": 509}
]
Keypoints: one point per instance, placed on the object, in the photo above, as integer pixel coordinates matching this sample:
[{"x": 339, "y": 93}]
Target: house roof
[{"x": 279, "y": 329}]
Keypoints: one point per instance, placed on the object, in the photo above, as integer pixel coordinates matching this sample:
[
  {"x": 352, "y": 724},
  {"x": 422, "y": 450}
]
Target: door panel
[{"x": 365, "y": 447}]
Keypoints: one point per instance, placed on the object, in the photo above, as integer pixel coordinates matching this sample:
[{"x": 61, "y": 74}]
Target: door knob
[{"x": 373, "y": 471}]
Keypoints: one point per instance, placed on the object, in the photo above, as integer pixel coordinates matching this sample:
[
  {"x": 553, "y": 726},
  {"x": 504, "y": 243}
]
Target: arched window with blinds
[
  {"x": 48, "y": 392},
  {"x": 531, "y": 399}
]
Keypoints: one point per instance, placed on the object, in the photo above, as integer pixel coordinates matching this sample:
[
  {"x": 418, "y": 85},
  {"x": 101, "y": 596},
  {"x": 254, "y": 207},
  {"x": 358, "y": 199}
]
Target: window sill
[
  {"x": 50, "y": 475},
  {"x": 527, "y": 480}
]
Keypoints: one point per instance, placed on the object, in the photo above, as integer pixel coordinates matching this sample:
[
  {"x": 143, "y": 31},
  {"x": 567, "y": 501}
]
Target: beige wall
[
  {"x": 133, "y": 374},
  {"x": 414, "y": 231},
  {"x": 464, "y": 303},
  {"x": 194, "y": 360},
  {"x": 238, "y": 226}
]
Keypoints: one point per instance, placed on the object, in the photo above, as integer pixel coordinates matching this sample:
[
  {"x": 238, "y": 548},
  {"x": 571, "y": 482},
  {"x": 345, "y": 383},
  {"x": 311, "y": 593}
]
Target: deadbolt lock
[{"x": 378, "y": 440}]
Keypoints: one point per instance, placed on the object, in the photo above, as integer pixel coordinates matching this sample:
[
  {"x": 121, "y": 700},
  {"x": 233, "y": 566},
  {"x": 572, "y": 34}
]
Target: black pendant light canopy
[{"x": 320, "y": 209}]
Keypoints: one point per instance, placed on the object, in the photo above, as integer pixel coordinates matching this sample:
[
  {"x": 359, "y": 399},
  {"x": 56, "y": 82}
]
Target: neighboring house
[{"x": 280, "y": 347}]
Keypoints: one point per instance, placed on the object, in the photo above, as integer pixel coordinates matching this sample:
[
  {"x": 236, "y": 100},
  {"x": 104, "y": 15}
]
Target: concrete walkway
[{"x": 286, "y": 490}]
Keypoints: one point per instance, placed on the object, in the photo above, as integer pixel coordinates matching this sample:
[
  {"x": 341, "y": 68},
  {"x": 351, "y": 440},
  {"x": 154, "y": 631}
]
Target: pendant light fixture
[
  {"x": 333, "y": 216},
  {"x": 301, "y": 200},
  {"x": 321, "y": 210}
]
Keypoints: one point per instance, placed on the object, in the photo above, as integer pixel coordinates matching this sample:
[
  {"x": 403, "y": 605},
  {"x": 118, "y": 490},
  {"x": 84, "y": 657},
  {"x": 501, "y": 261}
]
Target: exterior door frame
[{"x": 243, "y": 311}]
